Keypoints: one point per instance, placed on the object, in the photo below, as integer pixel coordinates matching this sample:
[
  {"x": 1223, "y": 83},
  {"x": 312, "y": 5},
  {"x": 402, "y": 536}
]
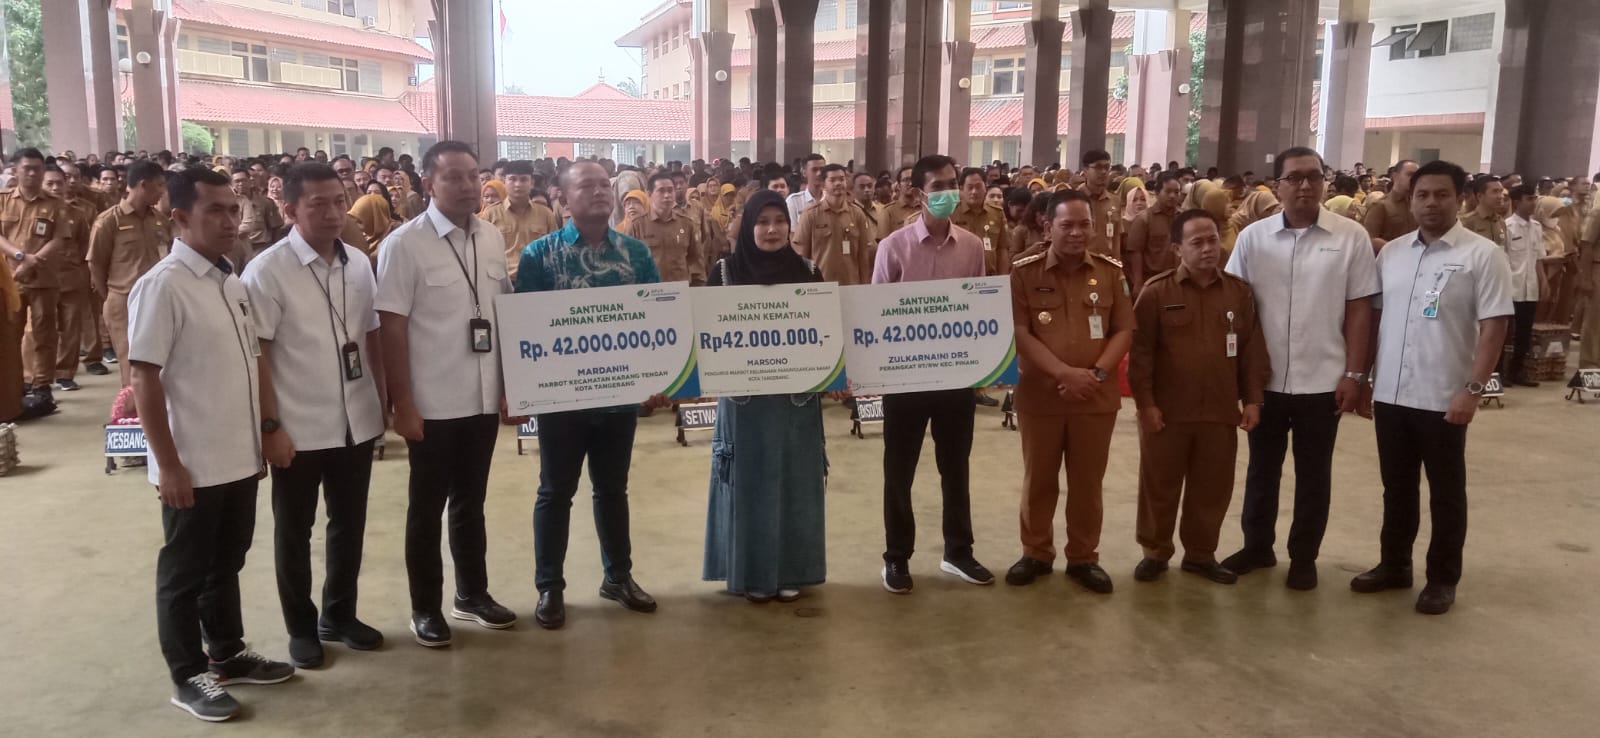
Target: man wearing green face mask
[{"x": 835, "y": 233}]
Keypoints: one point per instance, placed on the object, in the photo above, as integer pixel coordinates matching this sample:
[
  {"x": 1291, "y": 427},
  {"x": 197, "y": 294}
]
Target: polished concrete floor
[{"x": 1182, "y": 657}]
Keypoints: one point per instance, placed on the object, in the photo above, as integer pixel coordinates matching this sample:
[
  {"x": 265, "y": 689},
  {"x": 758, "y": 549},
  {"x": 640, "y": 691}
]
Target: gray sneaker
[
  {"x": 203, "y": 698},
  {"x": 249, "y": 667}
]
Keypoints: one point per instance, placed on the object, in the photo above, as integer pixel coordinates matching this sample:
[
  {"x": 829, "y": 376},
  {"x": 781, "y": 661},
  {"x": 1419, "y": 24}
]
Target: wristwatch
[
  {"x": 270, "y": 425},
  {"x": 20, "y": 256},
  {"x": 1358, "y": 376},
  {"x": 1099, "y": 374},
  {"x": 1474, "y": 388}
]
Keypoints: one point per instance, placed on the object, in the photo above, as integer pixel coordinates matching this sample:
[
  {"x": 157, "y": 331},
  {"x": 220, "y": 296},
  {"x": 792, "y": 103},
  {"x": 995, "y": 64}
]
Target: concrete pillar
[
  {"x": 955, "y": 83},
  {"x": 1259, "y": 56},
  {"x": 1348, "y": 46},
  {"x": 872, "y": 84},
  {"x": 463, "y": 51},
  {"x": 914, "y": 59},
  {"x": 151, "y": 44},
  {"x": 1158, "y": 103},
  {"x": 763, "y": 81},
  {"x": 711, "y": 51},
  {"x": 1041, "y": 94},
  {"x": 80, "y": 76},
  {"x": 1091, "y": 80},
  {"x": 105, "y": 130},
  {"x": 1549, "y": 79},
  {"x": 797, "y": 39}
]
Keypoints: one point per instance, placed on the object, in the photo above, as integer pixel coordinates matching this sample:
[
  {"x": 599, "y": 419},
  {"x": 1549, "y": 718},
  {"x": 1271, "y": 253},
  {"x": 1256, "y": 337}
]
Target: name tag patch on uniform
[
  {"x": 987, "y": 244},
  {"x": 845, "y": 245},
  {"x": 41, "y": 227},
  {"x": 1173, "y": 307},
  {"x": 1045, "y": 289}
]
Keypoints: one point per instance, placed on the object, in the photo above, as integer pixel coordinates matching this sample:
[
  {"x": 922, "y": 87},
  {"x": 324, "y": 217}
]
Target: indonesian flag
[{"x": 502, "y": 10}]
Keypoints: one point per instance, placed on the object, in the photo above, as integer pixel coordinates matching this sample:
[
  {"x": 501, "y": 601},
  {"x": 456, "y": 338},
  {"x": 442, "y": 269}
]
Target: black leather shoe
[
  {"x": 430, "y": 629},
  {"x": 1436, "y": 599},
  {"x": 1302, "y": 575},
  {"x": 1245, "y": 561},
  {"x": 1211, "y": 570},
  {"x": 551, "y": 612},
  {"x": 1091, "y": 576},
  {"x": 354, "y": 633},
  {"x": 304, "y": 652},
  {"x": 628, "y": 594},
  {"x": 1380, "y": 578},
  {"x": 987, "y": 401},
  {"x": 1149, "y": 570},
  {"x": 96, "y": 368},
  {"x": 483, "y": 610},
  {"x": 1026, "y": 570}
]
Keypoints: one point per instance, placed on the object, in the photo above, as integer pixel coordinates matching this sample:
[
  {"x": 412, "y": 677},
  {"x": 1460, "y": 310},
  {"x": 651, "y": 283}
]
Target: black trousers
[
  {"x": 343, "y": 475},
  {"x": 1521, "y": 340},
  {"x": 1409, "y": 442},
  {"x": 906, "y": 417},
  {"x": 197, "y": 576},
  {"x": 449, "y": 470},
  {"x": 605, "y": 438},
  {"x": 1313, "y": 421}
]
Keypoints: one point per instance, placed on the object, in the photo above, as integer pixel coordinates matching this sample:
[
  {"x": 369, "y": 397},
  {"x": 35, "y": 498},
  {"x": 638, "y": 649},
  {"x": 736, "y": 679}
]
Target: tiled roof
[
  {"x": 278, "y": 25},
  {"x": 836, "y": 123},
  {"x": 210, "y": 102},
  {"x": 599, "y": 113},
  {"x": 1001, "y": 117}
]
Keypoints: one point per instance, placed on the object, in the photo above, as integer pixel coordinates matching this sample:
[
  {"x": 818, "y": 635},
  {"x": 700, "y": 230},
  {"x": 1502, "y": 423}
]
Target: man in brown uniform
[
  {"x": 1148, "y": 249},
  {"x": 906, "y": 207},
  {"x": 74, "y": 308},
  {"x": 346, "y": 169},
  {"x": 673, "y": 238},
  {"x": 261, "y": 223},
  {"x": 835, "y": 234},
  {"x": 125, "y": 242},
  {"x": 1486, "y": 219},
  {"x": 1074, "y": 323},
  {"x": 985, "y": 221},
  {"x": 30, "y": 223},
  {"x": 1390, "y": 218},
  {"x": 1106, "y": 238},
  {"x": 1588, "y": 277},
  {"x": 1198, "y": 352},
  {"x": 520, "y": 220}
]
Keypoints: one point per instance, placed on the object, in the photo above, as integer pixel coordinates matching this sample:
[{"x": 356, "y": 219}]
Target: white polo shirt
[
  {"x": 1424, "y": 361},
  {"x": 798, "y": 202},
  {"x": 1302, "y": 282},
  {"x": 192, "y": 318},
  {"x": 309, "y": 310},
  {"x": 423, "y": 269},
  {"x": 1524, "y": 249}
]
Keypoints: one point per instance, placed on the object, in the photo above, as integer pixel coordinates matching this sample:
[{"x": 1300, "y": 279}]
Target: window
[
  {"x": 1472, "y": 33},
  {"x": 1415, "y": 41},
  {"x": 360, "y": 144},
  {"x": 337, "y": 145},
  {"x": 1316, "y": 63},
  {"x": 352, "y": 72},
  {"x": 253, "y": 58},
  {"x": 1008, "y": 74},
  {"x": 517, "y": 148},
  {"x": 828, "y": 15},
  {"x": 850, "y": 14},
  {"x": 980, "y": 67},
  {"x": 122, "y": 42},
  {"x": 1013, "y": 4},
  {"x": 345, "y": 8},
  {"x": 1427, "y": 154},
  {"x": 980, "y": 6},
  {"x": 825, "y": 77},
  {"x": 1119, "y": 58},
  {"x": 238, "y": 142}
]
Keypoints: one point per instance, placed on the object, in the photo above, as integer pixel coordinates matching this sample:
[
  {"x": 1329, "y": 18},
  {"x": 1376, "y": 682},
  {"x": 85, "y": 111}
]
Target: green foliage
[
  {"x": 25, "y": 44},
  {"x": 630, "y": 87},
  {"x": 130, "y": 127},
  {"x": 1197, "y": 78},
  {"x": 196, "y": 139}
]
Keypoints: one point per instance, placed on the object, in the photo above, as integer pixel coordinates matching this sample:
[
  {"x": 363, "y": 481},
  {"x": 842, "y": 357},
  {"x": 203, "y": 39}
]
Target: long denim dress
[{"x": 764, "y": 525}]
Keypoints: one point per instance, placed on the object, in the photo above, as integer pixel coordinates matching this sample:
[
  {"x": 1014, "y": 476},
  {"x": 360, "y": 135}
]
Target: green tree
[
  {"x": 1197, "y": 78},
  {"x": 196, "y": 139},
  {"x": 630, "y": 87},
  {"x": 130, "y": 127},
  {"x": 25, "y": 45}
]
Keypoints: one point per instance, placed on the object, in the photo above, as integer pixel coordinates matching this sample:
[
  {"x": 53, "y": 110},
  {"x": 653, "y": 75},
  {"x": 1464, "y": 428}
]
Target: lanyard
[
  {"x": 472, "y": 281},
  {"x": 326, "y": 286}
]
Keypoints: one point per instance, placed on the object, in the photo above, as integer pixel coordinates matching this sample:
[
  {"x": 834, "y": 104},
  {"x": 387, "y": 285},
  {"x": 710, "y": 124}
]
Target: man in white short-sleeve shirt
[
  {"x": 1312, "y": 272},
  {"x": 1524, "y": 250},
  {"x": 438, "y": 275},
  {"x": 193, "y": 350},
  {"x": 1447, "y": 294},
  {"x": 321, "y": 380}
]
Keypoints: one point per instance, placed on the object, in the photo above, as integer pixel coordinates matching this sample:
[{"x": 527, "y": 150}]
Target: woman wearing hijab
[
  {"x": 376, "y": 216},
  {"x": 1135, "y": 201},
  {"x": 1257, "y": 205},
  {"x": 494, "y": 191},
  {"x": 722, "y": 208},
  {"x": 764, "y": 523}
]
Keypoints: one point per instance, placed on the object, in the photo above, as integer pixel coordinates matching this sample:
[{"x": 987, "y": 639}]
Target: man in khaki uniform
[
  {"x": 907, "y": 206},
  {"x": 74, "y": 308},
  {"x": 1486, "y": 219},
  {"x": 125, "y": 242},
  {"x": 673, "y": 237},
  {"x": 1074, "y": 323},
  {"x": 985, "y": 221},
  {"x": 30, "y": 224},
  {"x": 520, "y": 220},
  {"x": 835, "y": 233},
  {"x": 261, "y": 224},
  {"x": 1148, "y": 249},
  {"x": 1198, "y": 353},
  {"x": 1588, "y": 296},
  {"x": 1107, "y": 209},
  {"x": 93, "y": 340},
  {"x": 1391, "y": 218}
]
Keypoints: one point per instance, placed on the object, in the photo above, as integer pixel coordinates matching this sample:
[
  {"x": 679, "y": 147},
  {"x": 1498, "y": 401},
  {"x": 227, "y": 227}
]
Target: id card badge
[
  {"x": 1111, "y": 230},
  {"x": 1233, "y": 345},
  {"x": 846, "y": 246},
  {"x": 481, "y": 336},
  {"x": 352, "y": 361},
  {"x": 1430, "y": 304},
  {"x": 988, "y": 245},
  {"x": 1097, "y": 328}
]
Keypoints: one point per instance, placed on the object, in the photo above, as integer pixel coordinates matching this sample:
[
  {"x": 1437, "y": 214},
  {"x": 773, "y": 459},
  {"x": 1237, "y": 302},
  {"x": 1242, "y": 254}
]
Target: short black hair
[
  {"x": 140, "y": 171},
  {"x": 1345, "y": 184},
  {"x": 183, "y": 186},
  {"x": 928, "y": 165},
  {"x": 1018, "y": 196},
  {"x": 1399, "y": 164},
  {"x": 1481, "y": 184},
  {"x": 811, "y": 157},
  {"x": 1166, "y": 175},
  {"x": 1062, "y": 197},
  {"x": 1517, "y": 193},
  {"x": 1291, "y": 153},
  {"x": 961, "y": 179},
  {"x": 1093, "y": 156},
  {"x": 1184, "y": 217},
  {"x": 1457, "y": 175},
  {"x": 902, "y": 170},
  {"x": 650, "y": 184},
  {"x": 294, "y": 185},
  {"x": 518, "y": 166},
  {"x": 431, "y": 158},
  {"x": 26, "y": 152},
  {"x": 386, "y": 150},
  {"x": 831, "y": 168}
]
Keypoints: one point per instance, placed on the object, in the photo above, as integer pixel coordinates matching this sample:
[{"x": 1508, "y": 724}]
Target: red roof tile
[
  {"x": 600, "y": 113},
  {"x": 210, "y": 102},
  {"x": 278, "y": 25}
]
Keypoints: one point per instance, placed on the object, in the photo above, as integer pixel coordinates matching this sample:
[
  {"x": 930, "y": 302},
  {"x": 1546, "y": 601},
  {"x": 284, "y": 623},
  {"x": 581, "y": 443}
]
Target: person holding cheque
[{"x": 764, "y": 523}]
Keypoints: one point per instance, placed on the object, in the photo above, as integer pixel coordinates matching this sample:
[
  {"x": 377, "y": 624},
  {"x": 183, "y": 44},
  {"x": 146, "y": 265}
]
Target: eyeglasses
[{"x": 1296, "y": 179}]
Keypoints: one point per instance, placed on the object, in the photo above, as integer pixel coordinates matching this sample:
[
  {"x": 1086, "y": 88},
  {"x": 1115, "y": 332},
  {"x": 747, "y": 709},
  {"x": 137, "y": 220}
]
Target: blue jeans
[{"x": 605, "y": 437}]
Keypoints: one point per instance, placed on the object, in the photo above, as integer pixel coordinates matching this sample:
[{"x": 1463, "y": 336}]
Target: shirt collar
[
  {"x": 306, "y": 254},
  {"x": 1183, "y": 274},
  {"x": 441, "y": 224},
  {"x": 571, "y": 236},
  {"x": 197, "y": 262},
  {"x": 1281, "y": 223},
  {"x": 1050, "y": 261},
  {"x": 919, "y": 228},
  {"x": 1452, "y": 237}
]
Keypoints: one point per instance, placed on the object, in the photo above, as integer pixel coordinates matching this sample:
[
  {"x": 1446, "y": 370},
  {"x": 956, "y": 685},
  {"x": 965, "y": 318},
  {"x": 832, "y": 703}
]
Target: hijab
[
  {"x": 750, "y": 265},
  {"x": 1197, "y": 194},
  {"x": 1136, "y": 201},
  {"x": 499, "y": 188},
  {"x": 375, "y": 215}
]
